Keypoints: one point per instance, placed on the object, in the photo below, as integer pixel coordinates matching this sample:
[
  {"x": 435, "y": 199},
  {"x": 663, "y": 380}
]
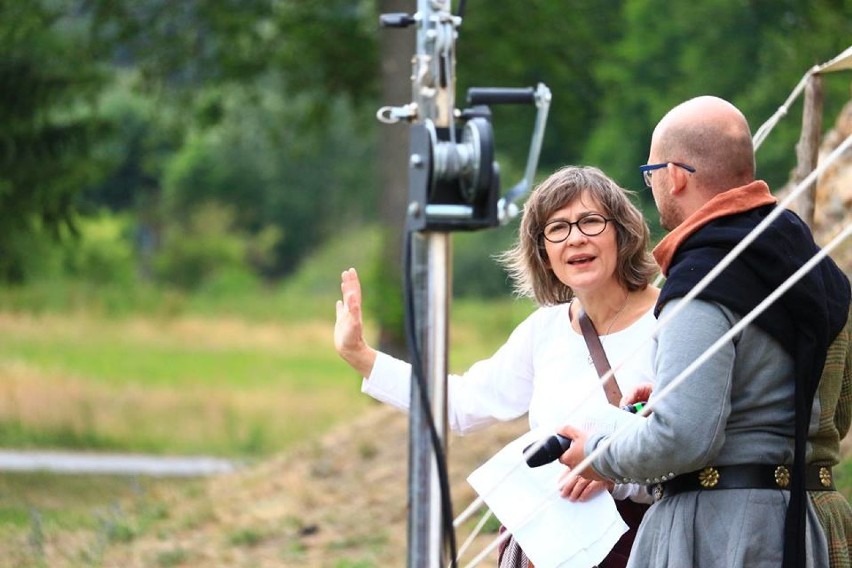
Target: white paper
[{"x": 552, "y": 531}]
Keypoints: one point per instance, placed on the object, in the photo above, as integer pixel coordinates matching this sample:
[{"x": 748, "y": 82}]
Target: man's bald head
[{"x": 713, "y": 136}]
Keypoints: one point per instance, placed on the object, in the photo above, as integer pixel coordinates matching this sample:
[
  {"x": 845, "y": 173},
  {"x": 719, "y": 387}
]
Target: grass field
[
  {"x": 190, "y": 384},
  {"x": 178, "y": 386}
]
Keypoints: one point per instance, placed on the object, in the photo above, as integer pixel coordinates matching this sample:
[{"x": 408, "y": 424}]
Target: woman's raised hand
[{"x": 349, "y": 327}]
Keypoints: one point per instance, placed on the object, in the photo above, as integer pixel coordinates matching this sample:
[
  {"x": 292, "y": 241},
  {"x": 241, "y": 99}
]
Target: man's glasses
[
  {"x": 648, "y": 168},
  {"x": 590, "y": 225}
]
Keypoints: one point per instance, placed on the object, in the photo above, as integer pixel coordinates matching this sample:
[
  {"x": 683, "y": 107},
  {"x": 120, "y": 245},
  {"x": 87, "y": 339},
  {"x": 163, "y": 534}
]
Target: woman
[{"x": 582, "y": 246}]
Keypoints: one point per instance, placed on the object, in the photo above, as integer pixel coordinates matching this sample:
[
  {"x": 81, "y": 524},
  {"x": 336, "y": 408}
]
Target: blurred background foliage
[{"x": 216, "y": 146}]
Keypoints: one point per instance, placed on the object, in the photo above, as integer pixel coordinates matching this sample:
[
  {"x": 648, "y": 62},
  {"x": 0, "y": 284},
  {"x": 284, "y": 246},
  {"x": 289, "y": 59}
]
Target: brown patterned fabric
[
  {"x": 835, "y": 516},
  {"x": 835, "y": 398},
  {"x": 511, "y": 555}
]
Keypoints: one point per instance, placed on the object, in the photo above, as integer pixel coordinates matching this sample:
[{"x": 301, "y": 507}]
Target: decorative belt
[{"x": 748, "y": 476}]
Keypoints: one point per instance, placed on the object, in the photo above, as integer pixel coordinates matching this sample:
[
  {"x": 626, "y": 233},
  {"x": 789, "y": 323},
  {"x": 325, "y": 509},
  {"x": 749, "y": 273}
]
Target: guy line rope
[
  {"x": 840, "y": 61},
  {"x": 748, "y": 318}
]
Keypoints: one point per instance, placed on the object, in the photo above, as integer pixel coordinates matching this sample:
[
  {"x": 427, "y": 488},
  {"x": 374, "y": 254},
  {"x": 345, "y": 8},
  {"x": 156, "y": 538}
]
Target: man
[{"x": 724, "y": 453}]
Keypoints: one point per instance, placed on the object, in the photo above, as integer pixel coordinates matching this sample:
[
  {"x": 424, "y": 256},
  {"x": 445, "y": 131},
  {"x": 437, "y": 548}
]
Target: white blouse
[{"x": 544, "y": 368}]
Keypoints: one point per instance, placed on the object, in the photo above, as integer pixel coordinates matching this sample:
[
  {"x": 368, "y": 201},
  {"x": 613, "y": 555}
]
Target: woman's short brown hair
[{"x": 527, "y": 262}]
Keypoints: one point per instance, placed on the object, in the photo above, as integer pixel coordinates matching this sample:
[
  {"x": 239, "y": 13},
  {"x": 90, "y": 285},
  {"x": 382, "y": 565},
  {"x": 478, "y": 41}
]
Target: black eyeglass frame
[
  {"x": 648, "y": 168},
  {"x": 577, "y": 223}
]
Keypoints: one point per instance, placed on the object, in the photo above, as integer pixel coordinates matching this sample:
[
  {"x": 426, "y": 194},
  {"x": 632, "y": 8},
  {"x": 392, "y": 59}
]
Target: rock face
[
  {"x": 834, "y": 189},
  {"x": 833, "y": 200}
]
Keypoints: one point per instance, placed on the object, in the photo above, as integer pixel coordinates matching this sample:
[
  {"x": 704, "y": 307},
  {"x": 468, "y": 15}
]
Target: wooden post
[{"x": 807, "y": 149}]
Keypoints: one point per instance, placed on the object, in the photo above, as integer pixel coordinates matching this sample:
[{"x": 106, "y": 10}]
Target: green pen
[{"x": 634, "y": 408}]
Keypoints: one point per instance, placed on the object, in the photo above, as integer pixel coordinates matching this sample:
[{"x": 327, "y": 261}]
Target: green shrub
[
  {"x": 103, "y": 253},
  {"x": 209, "y": 247}
]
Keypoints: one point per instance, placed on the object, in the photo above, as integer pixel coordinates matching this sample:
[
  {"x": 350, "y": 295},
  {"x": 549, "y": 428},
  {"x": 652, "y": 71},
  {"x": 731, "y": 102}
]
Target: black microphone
[{"x": 549, "y": 451}]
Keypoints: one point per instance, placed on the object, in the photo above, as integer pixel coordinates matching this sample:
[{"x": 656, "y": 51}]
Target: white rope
[
  {"x": 724, "y": 263},
  {"x": 765, "y": 128},
  {"x": 473, "y": 534},
  {"x": 837, "y": 63},
  {"x": 488, "y": 550}
]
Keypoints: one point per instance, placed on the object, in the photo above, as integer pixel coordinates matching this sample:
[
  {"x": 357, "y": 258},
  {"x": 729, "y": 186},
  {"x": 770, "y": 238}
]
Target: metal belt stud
[
  {"x": 825, "y": 476},
  {"x": 782, "y": 476},
  {"x": 708, "y": 477}
]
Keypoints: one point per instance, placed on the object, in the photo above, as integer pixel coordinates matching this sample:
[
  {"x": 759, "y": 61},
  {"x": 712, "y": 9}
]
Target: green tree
[
  {"x": 208, "y": 247},
  {"x": 519, "y": 44},
  {"x": 266, "y": 108},
  {"x": 179, "y": 46},
  {"x": 273, "y": 170},
  {"x": 145, "y": 134},
  {"x": 753, "y": 54},
  {"x": 47, "y": 85}
]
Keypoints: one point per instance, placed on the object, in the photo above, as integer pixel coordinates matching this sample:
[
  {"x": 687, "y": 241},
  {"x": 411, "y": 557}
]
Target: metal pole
[
  {"x": 430, "y": 278},
  {"x": 433, "y": 93},
  {"x": 453, "y": 184}
]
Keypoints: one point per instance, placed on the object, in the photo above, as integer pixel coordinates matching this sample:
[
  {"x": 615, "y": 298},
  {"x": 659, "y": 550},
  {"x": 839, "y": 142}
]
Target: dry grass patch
[
  {"x": 186, "y": 385},
  {"x": 194, "y": 419},
  {"x": 192, "y": 331},
  {"x": 324, "y": 504}
]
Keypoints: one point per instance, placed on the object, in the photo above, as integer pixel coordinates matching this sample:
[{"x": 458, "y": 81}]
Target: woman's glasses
[{"x": 590, "y": 225}]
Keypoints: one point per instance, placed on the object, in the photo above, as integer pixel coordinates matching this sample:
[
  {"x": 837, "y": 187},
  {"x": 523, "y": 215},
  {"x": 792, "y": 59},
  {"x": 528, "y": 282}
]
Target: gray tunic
[{"x": 737, "y": 408}]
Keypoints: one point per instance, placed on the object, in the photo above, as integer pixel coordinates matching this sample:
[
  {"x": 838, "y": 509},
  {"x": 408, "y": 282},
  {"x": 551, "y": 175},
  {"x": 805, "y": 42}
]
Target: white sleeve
[
  {"x": 633, "y": 491},
  {"x": 389, "y": 382},
  {"x": 495, "y": 389}
]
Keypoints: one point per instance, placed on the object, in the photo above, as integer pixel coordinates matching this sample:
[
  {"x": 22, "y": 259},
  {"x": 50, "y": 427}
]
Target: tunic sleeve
[
  {"x": 687, "y": 428},
  {"x": 843, "y": 414}
]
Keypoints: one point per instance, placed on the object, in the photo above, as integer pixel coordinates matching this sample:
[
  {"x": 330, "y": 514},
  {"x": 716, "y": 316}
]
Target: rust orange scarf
[{"x": 737, "y": 200}]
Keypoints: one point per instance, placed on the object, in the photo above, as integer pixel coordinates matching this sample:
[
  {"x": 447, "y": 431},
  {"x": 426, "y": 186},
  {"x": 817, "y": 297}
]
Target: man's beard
[{"x": 670, "y": 216}]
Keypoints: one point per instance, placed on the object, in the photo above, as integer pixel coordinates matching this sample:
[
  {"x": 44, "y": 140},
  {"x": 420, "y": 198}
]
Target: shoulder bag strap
[{"x": 596, "y": 350}]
